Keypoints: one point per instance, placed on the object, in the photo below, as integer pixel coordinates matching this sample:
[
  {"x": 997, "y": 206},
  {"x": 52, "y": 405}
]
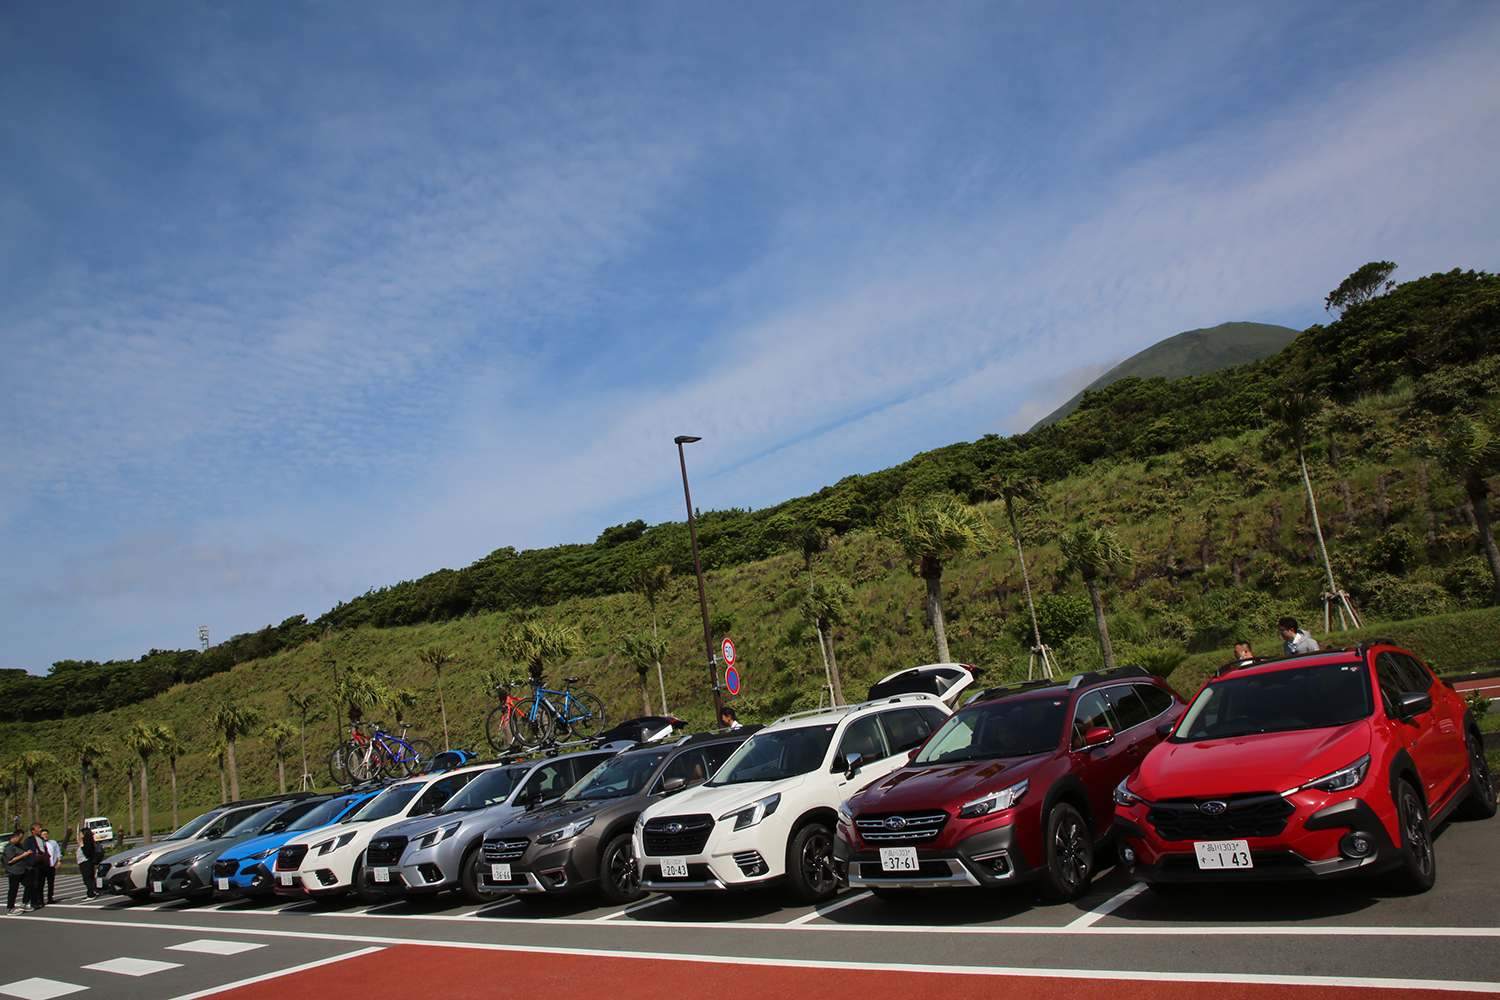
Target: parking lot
[{"x": 1340, "y": 937}]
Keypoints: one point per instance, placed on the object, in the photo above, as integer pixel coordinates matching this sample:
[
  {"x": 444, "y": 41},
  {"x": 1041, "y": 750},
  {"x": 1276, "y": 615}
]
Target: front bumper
[{"x": 991, "y": 858}]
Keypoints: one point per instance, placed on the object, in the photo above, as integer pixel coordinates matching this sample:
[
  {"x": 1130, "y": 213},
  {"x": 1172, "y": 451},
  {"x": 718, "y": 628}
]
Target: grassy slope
[{"x": 1226, "y": 501}]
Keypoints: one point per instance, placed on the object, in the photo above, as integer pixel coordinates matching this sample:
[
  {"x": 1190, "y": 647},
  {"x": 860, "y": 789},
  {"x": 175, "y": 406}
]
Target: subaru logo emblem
[
  {"x": 1213, "y": 808},
  {"x": 674, "y": 828},
  {"x": 895, "y": 822}
]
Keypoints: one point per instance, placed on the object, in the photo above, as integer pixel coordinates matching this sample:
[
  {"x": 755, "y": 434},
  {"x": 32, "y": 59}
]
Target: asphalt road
[{"x": 1342, "y": 939}]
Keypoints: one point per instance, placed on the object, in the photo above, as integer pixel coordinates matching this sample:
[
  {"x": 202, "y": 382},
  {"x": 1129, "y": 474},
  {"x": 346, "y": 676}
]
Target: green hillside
[
  {"x": 1207, "y": 501},
  {"x": 1196, "y": 352}
]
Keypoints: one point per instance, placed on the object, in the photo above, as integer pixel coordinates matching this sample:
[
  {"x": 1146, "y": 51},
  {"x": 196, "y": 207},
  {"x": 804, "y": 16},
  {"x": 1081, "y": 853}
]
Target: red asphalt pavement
[{"x": 447, "y": 973}]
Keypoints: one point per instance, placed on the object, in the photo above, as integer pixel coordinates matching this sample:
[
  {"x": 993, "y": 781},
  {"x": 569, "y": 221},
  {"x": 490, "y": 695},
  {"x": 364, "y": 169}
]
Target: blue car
[{"x": 244, "y": 869}]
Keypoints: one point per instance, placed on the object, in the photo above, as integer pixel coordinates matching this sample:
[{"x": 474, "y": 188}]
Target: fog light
[
  {"x": 1355, "y": 844},
  {"x": 1127, "y": 854}
]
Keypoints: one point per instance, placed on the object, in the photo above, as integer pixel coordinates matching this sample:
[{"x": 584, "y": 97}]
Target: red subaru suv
[
  {"x": 1314, "y": 766},
  {"x": 1014, "y": 786}
]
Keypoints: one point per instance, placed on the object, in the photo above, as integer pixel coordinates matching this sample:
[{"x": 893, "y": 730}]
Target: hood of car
[
  {"x": 271, "y": 841},
  {"x": 717, "y": 800},
  {"x": 938, "y": 786},
  {"x": 1260, "y": 762},
  {"x": 548, "y": 817},
  {"x": 213, "y": 849}
]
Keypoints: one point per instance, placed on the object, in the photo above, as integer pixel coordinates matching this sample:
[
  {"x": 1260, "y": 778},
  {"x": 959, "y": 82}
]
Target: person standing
[
  {"x": 52, "y": 860},
  {"x": 1294, "y": 638},
  {"x": 17, "y": 869},
  {"x": 89, "y": 855},
  {"x": 36, "y": 860}
]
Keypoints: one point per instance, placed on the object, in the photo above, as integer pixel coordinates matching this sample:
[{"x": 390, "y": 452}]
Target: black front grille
[
  {"x": 289, "y": 859},
  {"x": 158, "y": 873},
  {"x": 226, "y": 868},
  {"x": 1259, "y": 814},
  {"x": 672, "y": 835},
  {"x": 504, "y": 850},
  {"x": 901, "y": 828},
  {"x": 385, "y": 851}
]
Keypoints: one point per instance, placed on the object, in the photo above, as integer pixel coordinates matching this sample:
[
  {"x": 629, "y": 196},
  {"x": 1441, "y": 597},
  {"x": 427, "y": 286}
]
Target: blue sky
[{"x": 305, "y": 298}]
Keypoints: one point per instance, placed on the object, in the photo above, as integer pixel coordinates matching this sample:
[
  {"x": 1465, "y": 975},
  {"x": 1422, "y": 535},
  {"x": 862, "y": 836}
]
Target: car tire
[
  {"x": 468, "y": 880},
  {"x": 899, "y": 897},
  {"x": 1068, "y": 851},
  {"x": 619, "y": 880},
  {"x": 1480, "y": 802},
  {"x": 809, "y": 865},
  {"x": 1418, "y": 869},
  {"x": 362, "y": 887}
]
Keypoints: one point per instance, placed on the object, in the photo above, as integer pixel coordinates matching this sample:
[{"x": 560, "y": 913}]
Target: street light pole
[{"x": 708, "y": 636}]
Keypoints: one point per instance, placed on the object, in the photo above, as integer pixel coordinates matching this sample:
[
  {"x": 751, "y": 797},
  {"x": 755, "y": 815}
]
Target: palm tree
[
  {"x": 235, "y": 721},
  {"x": 143, "y": 739},
  {"x": 10, "y": 782},
  {"x": 1470, "y": 453},
  {"x": 931, "y": 531},
  {"x": 1091, "y": 552},
  {"x": 304, "y": 702},
  {"x": 650, "y": 582},
  {"x": 278, "y": 733},
  {"x": 827, "y": 605},
  {"x": 172, "y": 747},
  {"x": 435, "y": 657},
  {"x": 88, "y": 750},
  {"x": 537, "y": 640},
  {"x": 359, "y": 693},
  {"x": 1012, "y": 488},
  {"x": 640, "y": 651},
  {"x": 810, "y": 539},
  {"x": 31, "y": 763},
  {"x": 1292, "y": 417},
  {"x": 219, "y": 748}
]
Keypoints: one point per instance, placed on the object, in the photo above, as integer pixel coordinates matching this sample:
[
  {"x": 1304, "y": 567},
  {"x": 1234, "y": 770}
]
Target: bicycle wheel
[
  {"x": 531, "y": 723},
  {"x": 585, "y": 716},
  {"x": 383, "y": 762},
  {"x": 497, "y": 728},
  {"x": 359, "y": 763},
  {"x": 417, "y": 755},
  {"x": 338, "y": 763}
]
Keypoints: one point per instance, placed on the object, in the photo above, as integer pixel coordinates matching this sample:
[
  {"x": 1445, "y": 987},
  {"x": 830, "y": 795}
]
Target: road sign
[
  {"x": 728, "y": 647},
  {"x": 732, "y": 678}
]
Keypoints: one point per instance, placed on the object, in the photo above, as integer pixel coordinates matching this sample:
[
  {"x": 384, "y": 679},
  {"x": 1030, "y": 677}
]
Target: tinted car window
[
  {"x": 387, "y": 803},
  {"x": 296, "y": 812},
  {"x": 1417, "y": 671},
  {"x": 767, "y": 756},
  {"x": 1314, "y": 697},
  {"x": 1015, "y": 728},
  {"x": 1155, "y": 699},
  {"x": 697, "y": 765},
  {"x": 864, "y": 737},
  {"x": 1093, "y": 711},
  {"x": 1129, "y": 708},
  {"x": 441, "y": 791},
  {"x": 253, "y": 820},
  {"x": 323, "y": 814},
  {"x": 489, "y": 789},
  {"x": 935, "y": 716},
  {"x": 190, "y": 829},
  {"x": 619, "y": 776},
  {"x": 1394, "y": 681},
  {"x": 905, "y": 728}
]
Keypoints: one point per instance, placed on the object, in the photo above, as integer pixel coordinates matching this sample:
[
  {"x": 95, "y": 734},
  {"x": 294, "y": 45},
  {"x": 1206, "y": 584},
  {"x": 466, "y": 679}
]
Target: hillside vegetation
[{"x": 1208, "y": 503}]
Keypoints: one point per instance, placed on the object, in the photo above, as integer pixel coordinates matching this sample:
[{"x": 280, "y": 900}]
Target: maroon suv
[{"x": 1015, "y": 786}]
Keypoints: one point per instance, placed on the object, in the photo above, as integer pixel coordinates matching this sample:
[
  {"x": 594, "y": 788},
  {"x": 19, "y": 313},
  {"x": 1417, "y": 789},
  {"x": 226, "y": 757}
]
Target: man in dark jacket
[
  {"x": 17, "y": 869},
  {"x": 36, "y": 846}
]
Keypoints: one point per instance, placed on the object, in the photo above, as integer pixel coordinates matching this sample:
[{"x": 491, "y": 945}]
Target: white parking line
[
  {"x": 1107, "y": 907},
  {"x": 132, "y": 966},
  {"x": 208, "y": 946},
  {"x": 487, "y": 908},
  {"x": 638, "y": 907},
  {"x": 808, "y": 918},
  {"x": 37, "y": 988},
  {"x": 277, "y": 975}
]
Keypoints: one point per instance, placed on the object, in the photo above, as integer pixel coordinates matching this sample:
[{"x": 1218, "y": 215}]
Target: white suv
[{"x": 769, "y": 813}]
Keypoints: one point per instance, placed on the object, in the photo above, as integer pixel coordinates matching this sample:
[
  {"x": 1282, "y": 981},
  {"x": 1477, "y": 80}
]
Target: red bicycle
[{"x": 499, "y": 719}]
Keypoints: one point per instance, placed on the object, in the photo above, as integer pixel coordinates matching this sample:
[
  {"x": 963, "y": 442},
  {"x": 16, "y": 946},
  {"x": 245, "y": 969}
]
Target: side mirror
[
  {"x": 214, "y": 834},
  {"x": 1165, "y": 729},
  {"x": 1414, "y": 703},
  {"x": 911, "y": 758},
  {"x": 673, "y": 784},
  {"x": 276, "y": 827},
  {"x": 851, "y": 764},
  {"x": 1098, "y": 736}
]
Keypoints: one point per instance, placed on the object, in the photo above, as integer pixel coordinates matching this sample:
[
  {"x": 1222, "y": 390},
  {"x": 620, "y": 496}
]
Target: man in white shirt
[{"x": 54, "y": 856}]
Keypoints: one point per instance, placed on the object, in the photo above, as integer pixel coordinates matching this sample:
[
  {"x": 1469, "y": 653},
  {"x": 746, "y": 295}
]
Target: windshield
[
  {"x": 253, "y": 822},
  {"x": 190, "y": 830},
  {"x": 1017, "y": 728},
  {"x": 387, "y": 803},
  {"x": 1311, "y": 697},
  {"x": 322, "y": 815},
  {"x": 781, "y": 753},
  {"x": 489, "y": 789},
  {"x": 617, "y": 777}
]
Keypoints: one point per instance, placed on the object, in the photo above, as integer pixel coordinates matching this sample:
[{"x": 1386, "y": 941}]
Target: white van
[{"x": 103, "y": 832}]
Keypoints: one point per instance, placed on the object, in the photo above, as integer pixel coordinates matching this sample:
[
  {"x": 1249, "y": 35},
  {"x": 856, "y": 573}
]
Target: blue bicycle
[{"x": 537, "y": 717}]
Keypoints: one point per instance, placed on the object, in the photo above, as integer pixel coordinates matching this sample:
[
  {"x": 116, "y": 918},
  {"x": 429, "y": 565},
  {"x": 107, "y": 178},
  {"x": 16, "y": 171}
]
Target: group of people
[
  {"x": 31, "y": 864},
  {"x": 1294, "y": 639}
]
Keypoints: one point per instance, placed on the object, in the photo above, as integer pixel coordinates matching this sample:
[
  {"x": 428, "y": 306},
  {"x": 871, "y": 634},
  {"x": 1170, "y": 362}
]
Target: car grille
[
  {"x": 907, "y": 828},
  {"x": 289, "y": 859},
  {"x": 226, "y": 868},
  {"x": 671, "y": 835},
  {"x": 504, "y": 850},
  {"x": 158, "y": 873},
  {"x": 385, "y": 851},
  {"x": 1259, "y": 814}
]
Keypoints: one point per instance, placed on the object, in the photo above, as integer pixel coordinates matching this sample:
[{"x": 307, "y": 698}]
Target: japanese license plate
[
  {"x": 286, "y": 879},
  {"x": 898, "y": 859},
  {"x": 674, "y": 868},
  {"x": 500, "y": 873},
  {"x": 222, "y": 883},
  {"x": 1223, "y": 853},
  {"x": 382, "y": 874},
  {"x": 156, "y": 887}
]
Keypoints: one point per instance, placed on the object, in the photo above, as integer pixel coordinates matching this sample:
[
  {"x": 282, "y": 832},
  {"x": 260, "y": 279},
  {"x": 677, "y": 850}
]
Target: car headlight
[
  {"x": 566, "y": 833},
  {"x": 434, "y": 837},
  {"x": 995, "y": 801},
  {"x": 262, "y": 855},
  {"x": 1124, "y": 796},
  {"x": 640, "y": 823},
  {"x": 752, "y": 814},
  {"x": 1344, "y": 778},
  {"x": 845, "y": 814},
  {"x": 195, "y": 858},
  {"x": 328, "y": 846},
  {"x": 134, "y": 859}
]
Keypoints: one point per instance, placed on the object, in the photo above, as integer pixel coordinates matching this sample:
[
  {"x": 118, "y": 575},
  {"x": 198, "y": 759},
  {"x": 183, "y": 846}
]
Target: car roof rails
[
  {"x": 912, "y": 696},
  {"x": 1011, "y": 687},
  {"x": 1093, "y": 677},
  {"x": 719, "y": 735},
  {"x": 1364, "y": 647},
  {"x": 268, "y": 799}
]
